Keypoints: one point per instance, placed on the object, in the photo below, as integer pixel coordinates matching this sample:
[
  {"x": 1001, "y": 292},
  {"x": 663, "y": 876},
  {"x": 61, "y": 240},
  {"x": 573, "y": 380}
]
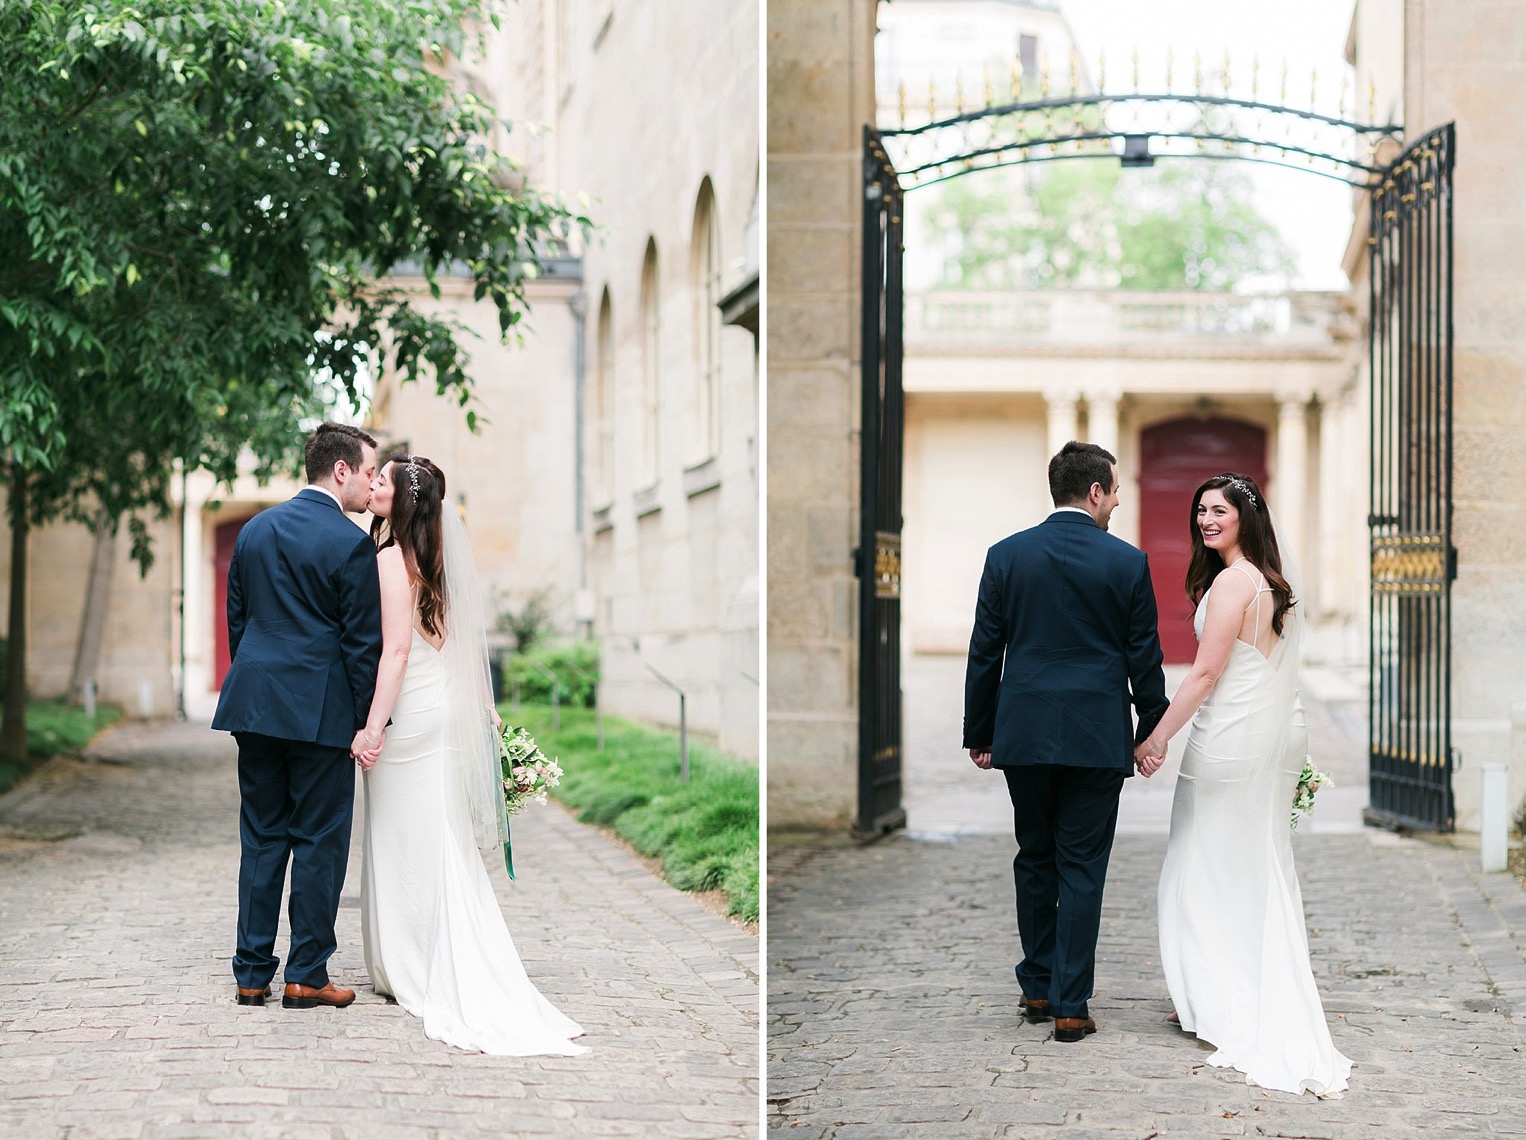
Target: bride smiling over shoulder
[{"x": 1233, "y": 942}]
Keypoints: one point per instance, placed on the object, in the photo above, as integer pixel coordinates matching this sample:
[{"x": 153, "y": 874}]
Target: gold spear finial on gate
[
  {"x": 932, "y": 100},
  {"x": 959, "y": 92},
  {"x": 1101, "y": 71},
  {"x": 1044, "y": 79},
  {"x": 1255, "y": 76},
  {"x": 1017, "y": 81},
  {"x": 1341, "y": 111},
  {"x": 985, "y": 82},
  {"x": 1073, "y": 71},
  {"x": 1313, "y": 88},
  {"x": 1372, "y": 96},
  {"x": 1197, "y": 73},
  {"x": 1170, "y": 59},
  {"x": 900, "y": 98},
  {"x": 1282, "y": 96},
  {"x": 1226, "y": 73}
]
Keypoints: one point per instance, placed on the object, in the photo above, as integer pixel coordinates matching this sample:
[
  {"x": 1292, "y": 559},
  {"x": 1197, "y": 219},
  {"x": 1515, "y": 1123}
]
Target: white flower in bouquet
[
  {"x": 527, "y": 773},
  {"x": 1310, "y": 780}
]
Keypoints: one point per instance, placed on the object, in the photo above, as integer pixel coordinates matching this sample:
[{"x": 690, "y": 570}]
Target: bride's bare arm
[
  {"x": 1221, "y": 625},
  {"x": 397, "y": 635}
]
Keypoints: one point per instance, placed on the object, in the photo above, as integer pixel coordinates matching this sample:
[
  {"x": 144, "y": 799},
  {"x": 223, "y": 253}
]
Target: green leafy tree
[
  {"x": 199, "y": 207},
  {"x": 1089, "y": 224}
]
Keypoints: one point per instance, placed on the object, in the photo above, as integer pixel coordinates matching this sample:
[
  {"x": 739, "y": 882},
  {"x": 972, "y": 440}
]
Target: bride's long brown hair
[
  {"x": 1258, "y": 542},
  {"x": 418, "y": 497}
]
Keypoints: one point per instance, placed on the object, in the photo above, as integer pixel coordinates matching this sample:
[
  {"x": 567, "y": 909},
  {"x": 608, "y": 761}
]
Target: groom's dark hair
[
  {"x": 331, "y": 443},
  {"x": 1073, "y": 471}
]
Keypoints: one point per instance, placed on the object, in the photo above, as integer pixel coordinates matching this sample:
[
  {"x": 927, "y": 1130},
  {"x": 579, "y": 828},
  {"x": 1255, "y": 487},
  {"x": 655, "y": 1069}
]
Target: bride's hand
[
  {"x": 1149, "y": 755},
  {"x": 366, "y": 748}
]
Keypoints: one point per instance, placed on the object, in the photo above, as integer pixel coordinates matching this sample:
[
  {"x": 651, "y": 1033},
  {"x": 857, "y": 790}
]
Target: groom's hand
[
  {"x": 981, "y": 756},
  {"x": 1145, "y": 758}
]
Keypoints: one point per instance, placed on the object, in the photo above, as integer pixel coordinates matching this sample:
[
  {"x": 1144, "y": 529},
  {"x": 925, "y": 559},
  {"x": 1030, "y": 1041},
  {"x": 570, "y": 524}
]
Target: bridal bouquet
[
  {"x": 527, "y": 773},
  {"x": 1310, "y": 780}
]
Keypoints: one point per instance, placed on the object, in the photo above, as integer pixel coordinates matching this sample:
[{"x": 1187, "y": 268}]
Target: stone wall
[
  {"x": 820, "y": 92},
  {"x": 1465, "y": 61}
]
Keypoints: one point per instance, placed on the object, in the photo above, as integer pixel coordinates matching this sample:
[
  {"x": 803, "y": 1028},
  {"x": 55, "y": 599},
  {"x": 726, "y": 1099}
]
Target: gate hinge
[{"x": 1451, "y": 563}]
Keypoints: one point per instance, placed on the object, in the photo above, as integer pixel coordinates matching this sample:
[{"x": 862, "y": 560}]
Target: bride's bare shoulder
[
  {"x": 1231, "y": 589},
  {"x": 389, "y": 561}
]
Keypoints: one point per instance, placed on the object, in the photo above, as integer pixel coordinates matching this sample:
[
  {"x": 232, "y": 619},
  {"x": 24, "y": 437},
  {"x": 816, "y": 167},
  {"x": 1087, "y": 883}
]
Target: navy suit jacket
[
  {"x": 1065, "y": 640},
  {"x": 304, "y": 625}
]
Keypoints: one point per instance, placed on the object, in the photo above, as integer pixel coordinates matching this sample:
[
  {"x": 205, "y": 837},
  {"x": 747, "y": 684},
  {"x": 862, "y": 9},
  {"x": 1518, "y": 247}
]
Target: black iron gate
[
  {"x": 879, "y": 545},
  {"x": 1413, "y": 561}
]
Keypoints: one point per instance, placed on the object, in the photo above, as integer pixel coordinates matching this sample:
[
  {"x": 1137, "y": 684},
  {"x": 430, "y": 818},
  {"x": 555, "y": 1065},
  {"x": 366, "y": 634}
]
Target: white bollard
[
  {"x": 145, "y": 699},
  {"x": 1493, "y": 828},
  {"x": 90, "y": 699}
]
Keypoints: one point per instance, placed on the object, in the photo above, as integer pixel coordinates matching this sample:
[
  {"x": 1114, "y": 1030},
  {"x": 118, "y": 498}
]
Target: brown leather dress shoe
[
  {"x": 1034, "y": 1009},
  {"x": 305, "y": 997},
  {"x": 1073, "y": 1028},
  {"x": 252, "y": 997}
]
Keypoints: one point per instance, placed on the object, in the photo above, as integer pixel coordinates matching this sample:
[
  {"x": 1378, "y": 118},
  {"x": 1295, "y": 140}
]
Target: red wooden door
[
  {"x": 226, "y": 536},
  {"x": 1175, "y": 457}
]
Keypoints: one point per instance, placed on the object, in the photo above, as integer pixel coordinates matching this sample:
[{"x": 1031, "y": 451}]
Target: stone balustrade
[{"x": 938, "y": 317}]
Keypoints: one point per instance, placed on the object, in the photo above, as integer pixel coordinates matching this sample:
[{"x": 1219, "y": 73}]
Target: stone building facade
[{"x": 653, "y": 113}]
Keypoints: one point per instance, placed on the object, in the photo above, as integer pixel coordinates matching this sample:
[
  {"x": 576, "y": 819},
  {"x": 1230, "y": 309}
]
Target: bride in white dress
[
  {"x": 1233, "y": 941},
  {"x": 434, "y": 937}
]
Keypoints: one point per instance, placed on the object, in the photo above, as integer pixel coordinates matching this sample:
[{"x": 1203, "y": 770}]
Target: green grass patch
[
  {"x": 53, "y": 727},
  {"x": 705, "y": 832}
]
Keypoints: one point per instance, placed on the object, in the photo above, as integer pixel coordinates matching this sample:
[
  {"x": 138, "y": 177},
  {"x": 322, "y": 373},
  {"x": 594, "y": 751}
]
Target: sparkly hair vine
[
  {"x": 1244, "y": 488},
  {"x": 413, "y": 480}
]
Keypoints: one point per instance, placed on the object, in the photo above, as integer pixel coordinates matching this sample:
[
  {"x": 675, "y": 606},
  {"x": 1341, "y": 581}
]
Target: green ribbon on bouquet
[{"x": 508, "y": 849}]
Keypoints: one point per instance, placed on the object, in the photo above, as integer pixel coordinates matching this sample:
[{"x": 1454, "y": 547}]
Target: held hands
[
  {"x": 981, "y": 756},
  {"x": 1149, "y": 755},
  {"x": 366, "y": 748}
]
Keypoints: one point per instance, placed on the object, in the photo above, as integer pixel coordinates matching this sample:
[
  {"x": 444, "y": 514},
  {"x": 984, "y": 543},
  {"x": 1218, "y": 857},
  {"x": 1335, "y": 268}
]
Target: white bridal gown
[
  {"x": 1233, "y": 942},
  {"x": 434, "y": 937}
]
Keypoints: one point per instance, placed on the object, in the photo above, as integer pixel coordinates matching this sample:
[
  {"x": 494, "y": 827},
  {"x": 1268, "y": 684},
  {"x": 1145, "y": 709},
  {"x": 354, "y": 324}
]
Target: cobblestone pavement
[
  {"x": 117, "y": 1019},
  {"x": 893, "y": 1011}
]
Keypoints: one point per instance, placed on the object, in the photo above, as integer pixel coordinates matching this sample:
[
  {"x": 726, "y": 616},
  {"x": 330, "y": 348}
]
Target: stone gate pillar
[{"x": 820, "y": 95}]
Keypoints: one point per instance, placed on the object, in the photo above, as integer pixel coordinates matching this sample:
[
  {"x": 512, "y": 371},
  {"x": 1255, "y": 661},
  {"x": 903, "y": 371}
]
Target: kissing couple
[
  {"x": 363, "y": 648},
  {"x": 1065, "y": 641}
]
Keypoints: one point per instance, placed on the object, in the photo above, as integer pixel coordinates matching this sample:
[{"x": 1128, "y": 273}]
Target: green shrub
[
  {"x": 705, "y": 832},
  {"x": 54, "y": 727},
  {"x": 575, "y": 664}
]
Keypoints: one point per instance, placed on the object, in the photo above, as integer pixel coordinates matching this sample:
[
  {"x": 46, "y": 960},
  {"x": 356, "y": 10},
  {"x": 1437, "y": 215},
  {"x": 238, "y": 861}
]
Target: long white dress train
[
  {"x": 434, "y": 937},
  {"x": 1233, "y": 940}
]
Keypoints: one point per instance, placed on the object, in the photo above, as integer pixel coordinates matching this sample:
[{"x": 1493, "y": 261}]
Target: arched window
[
  {"x": 651, "y": 378},
  {"x": 704, "y": 405},
  {"x": 601, "y": 411}
]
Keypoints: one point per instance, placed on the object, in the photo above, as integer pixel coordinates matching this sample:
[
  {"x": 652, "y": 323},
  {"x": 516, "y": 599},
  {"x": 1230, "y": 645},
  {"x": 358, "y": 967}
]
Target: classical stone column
[
  {"x": 1289, "y": 494},
  {"x": 1102, "y": 429},
  {"x": 1061, "y": 405}
]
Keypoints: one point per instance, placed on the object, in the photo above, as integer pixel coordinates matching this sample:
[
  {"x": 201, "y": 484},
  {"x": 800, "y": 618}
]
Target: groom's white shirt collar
[
  {"x": 325, "y": 491},
  {"x": 1057, "y": 510}
]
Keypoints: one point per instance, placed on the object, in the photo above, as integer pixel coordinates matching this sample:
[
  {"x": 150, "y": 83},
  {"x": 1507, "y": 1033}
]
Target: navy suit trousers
[
  {"x": 298, "y": 799},
  {"x": 1064, "y": 818}
]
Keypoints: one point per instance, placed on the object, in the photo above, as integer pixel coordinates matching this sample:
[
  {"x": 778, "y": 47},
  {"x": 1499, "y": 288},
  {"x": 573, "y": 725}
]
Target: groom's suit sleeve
[
  {"x": 1147, "y": 681},
  {"x": 360, "y": 636},
  {"x": 237, "y": 616},
  {"x": 988, "y": 645}
]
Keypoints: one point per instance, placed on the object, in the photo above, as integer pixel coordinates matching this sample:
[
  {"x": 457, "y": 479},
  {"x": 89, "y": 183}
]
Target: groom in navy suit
[
  {"x": 1065, "y": 640},
  {"x": 304, "y": 632}
]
